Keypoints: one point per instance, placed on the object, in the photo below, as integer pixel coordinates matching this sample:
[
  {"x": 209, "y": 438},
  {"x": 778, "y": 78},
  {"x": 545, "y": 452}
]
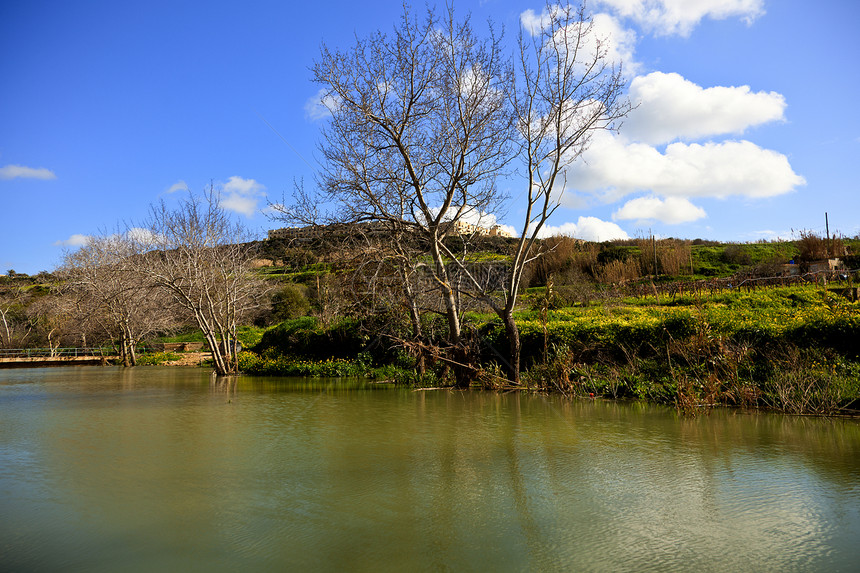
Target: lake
[{"x": 167, "y": 469}]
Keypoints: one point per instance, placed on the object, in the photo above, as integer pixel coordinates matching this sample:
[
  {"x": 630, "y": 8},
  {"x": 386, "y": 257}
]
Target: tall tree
[
  {"x": 566, "y": 89},
  {"x": 419, "y": 131}
]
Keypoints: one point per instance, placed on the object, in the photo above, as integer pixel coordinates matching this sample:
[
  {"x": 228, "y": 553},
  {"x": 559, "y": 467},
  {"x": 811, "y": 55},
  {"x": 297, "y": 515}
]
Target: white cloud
[
  {"x": 663, "y": 148},
  {"x": 672, "y": 210},
  {"x": 771, "y": 235},
  {"x": 75, "y": 240},
  {"x": 679, "y": 17},
  {"x": 614, "y": 167},
  {"x": 144, "y": 237},
  {"x": 319, "y": 106},
  {"x": 241, "y": 195},
  {"x": 533, "y": 23},
  {"x": 178, "y": 186},
  {"x": 21, "y": 172},
  {"x": 618, "y": 42},
  {"x": 672, "y": 107},
  {"x": 622, "y": 42},
  {"x": 586, "y": 228}
]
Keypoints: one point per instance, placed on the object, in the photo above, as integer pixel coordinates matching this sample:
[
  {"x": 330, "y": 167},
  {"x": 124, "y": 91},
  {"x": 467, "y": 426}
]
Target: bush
[
  {"x": 736, "y": 255},
  {"x": 273, "y": 365},
  {"x": 156, "y": 358},
  {"x": 305, "y": 336},
  {"x": 812, "y": 247},
  {"x": 290, "y": 301}
]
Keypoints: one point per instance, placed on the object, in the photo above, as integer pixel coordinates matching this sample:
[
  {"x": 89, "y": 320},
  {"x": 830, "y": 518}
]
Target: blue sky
[{"x": 747, "y": 127}]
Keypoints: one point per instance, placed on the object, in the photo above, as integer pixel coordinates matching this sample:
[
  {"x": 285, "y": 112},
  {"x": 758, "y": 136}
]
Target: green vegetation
[
  {"x": 157, "y": 358},
  {"x": 795, "y": 349},
  {"x": 280, "y": 365}
]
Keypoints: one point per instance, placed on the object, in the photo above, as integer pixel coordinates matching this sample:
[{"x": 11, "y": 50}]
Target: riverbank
[
  {"x": 190, "y": 359},
  {"x": 791, "y": 349}
]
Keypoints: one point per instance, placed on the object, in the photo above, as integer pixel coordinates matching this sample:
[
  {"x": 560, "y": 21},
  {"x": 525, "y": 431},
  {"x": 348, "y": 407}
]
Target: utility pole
[
  {"x": 827, "y": 230},
  {"x": 654, "y": 243}
]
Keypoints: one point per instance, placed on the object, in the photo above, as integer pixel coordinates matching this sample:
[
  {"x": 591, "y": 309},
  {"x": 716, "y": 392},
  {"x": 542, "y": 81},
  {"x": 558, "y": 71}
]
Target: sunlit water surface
[{"x": 163, "y": 469}]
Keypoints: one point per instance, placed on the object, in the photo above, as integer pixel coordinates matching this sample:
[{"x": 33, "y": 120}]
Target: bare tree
[
  {"x": 419, "y": 131},
  {"x": 566, "y": 90},
  {"x": 112, "y": 297},
  {"x": 201, "y": 258},
  {"x": 52, "y": 318},
  {"x": 15, "y": 326},
  {"x": 388, "y": 278}
]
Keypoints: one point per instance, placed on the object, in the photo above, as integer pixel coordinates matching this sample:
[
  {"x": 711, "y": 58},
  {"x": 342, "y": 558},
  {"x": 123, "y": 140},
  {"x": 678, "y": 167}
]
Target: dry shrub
[
  {"x": 812, "y": 247},
  {"x": 619, "y": 271},
  {"x": 674, "y": 257},
  {"x": 563, "y": 258}
]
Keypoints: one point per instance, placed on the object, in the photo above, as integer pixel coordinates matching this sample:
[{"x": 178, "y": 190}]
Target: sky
[{"x": 746, "y": 128}]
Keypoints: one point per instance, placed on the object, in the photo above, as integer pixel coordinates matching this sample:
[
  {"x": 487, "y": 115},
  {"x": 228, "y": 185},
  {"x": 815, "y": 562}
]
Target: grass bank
[{"x": 793, "y": 349}]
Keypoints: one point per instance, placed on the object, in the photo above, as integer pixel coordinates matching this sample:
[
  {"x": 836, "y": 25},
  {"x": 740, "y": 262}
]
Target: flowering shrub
[
  {"x": 804, "y": 316},
  {"x": 156, "y": 358}
]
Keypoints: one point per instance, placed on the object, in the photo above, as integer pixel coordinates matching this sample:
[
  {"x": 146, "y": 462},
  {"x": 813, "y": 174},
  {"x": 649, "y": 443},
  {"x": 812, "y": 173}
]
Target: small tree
[
  {"x": 202, "y": 259},
  {"x": 52, "y": 318},
  {"x": 111, "y": 297},
  {"x": 812, "y": 247},
  {"x": 14, "y": 324}
]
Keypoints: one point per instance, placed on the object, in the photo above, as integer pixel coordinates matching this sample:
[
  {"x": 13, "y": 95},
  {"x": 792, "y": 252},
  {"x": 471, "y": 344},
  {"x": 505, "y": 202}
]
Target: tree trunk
[
  {"x": 451, "y": 308},
  {"x": 417, "y": 333},
  {"x": 513, "y": 334},
  {"x": 123, "y": 353}
]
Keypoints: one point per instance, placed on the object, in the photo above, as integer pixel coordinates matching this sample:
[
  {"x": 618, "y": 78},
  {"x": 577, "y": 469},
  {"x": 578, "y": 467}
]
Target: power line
[{"x": 283, "y": 139}]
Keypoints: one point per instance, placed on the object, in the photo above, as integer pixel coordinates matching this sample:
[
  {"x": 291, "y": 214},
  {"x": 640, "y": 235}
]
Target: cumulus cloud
[
  {"x": 672, "y": 107},
  {"x": 75, "y": 240},
  {"x": 319, "y": 106},
  {"x": 672, "y": 210},
  {"x": 666, "y": 148},
  {"x": 618, "y": 42},
  {"x": 614, "y": 167},
  {"x": 532, "y": 22},
  {"x": 241, "y": 195},
  {"x": 22, "y": 172},
  {"x": 680, "y": 17},
  {"x": 586, "y": 228},
  {"x": 178, "y": 186},
  {"x": 622, "y": 42}
]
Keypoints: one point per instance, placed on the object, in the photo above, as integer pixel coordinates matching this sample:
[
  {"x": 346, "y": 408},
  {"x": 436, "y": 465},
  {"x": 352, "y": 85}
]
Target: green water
[{"x": 162, "y": 469}]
